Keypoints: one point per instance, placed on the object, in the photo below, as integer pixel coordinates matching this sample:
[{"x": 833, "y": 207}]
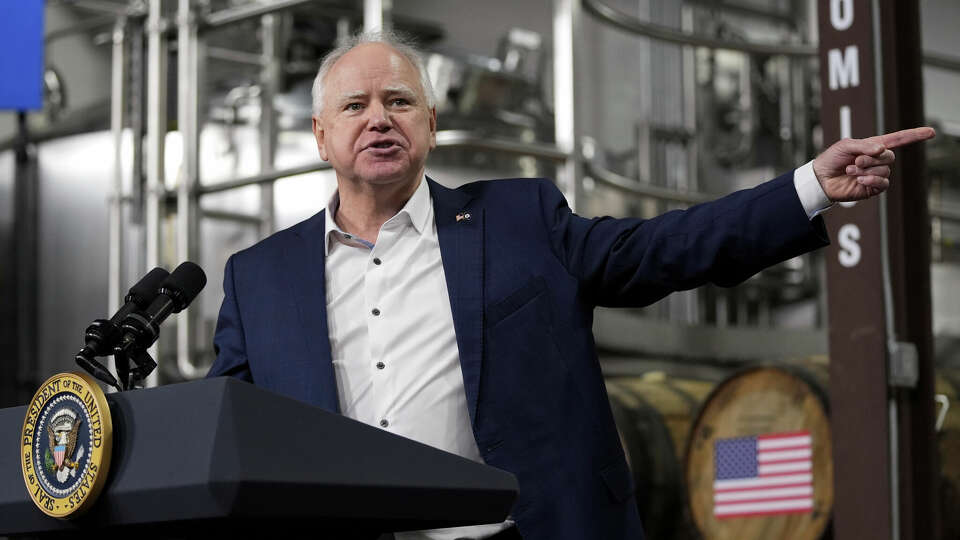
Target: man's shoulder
[
  {"x": 497, "y": 188},
  {"x": 275, "y": 244}
]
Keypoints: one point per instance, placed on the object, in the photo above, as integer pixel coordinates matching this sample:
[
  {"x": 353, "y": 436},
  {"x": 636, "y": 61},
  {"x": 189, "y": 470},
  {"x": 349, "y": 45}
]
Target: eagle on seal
[{"x": 62, "y": 435}]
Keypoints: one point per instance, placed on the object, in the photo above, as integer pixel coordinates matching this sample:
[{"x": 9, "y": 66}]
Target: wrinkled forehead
[{"x": 371, "y": 64}]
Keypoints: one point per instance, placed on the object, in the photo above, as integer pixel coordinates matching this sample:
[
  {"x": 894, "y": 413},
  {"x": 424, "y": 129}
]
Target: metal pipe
[
  {"x": 231, "y": 216},
  {"x": 26, "y": 195},
  {"x": 271, "y": 60},
  {"x": 454, "y": 138},
  {"x": 944, "y": 212},
  {"x": 156, "y": 131},
  {"x": 115, "y": 250},
  {"x": 262, "y": 178},
  {"x": 376, "y": 15},
  {"x": 891, "y": 329},
  {"x": 894, "y": 470},
  {"x": 643, "y": 189},
  {"x": 188, "y": 85},
  {"x": 248, "y": 11},
  {"x": 230, "y": 55},
  {"x": 743, "y": 10},
  {"x": 343, "y": 30},
  {"x": 566, "y": 47},
  {"x": 689, "y": 65},
  {"x": 81, "y": 27},
  {"x": 102, "y": 6},
  {"x": 372, "y": 16},
  {"x": 136, "y": 95},
  {"x": 942, "y": 61},
  {"x": 636, "y": 26}
]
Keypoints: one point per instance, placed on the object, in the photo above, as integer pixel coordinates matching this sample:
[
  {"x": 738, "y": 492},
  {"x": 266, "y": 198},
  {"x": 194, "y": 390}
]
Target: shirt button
[
  {"x": 375, "y": 312},
  {"x": 376, "y": 261},
  {"x": 381, "y": 365},
  {"x": 384, "y": 423}
]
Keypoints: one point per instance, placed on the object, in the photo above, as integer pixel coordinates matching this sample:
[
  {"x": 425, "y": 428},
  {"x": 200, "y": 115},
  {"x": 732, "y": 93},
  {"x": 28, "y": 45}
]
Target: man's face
[{"x": 375, "y": 127}]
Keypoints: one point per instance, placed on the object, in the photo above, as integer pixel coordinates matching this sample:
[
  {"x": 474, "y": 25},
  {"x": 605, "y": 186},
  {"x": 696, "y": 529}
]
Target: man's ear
[
  {"x": 318, "y": 135},
  {"x": 433, "y": 127}
]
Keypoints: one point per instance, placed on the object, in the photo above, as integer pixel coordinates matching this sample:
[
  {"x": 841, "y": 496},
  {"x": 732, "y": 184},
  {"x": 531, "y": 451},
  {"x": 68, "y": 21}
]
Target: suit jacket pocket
[{"x": 502, "y": 309}]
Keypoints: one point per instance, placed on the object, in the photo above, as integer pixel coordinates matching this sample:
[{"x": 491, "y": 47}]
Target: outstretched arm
[
  {"x": 635, "y": 262},
  {"x": 630, "y": 262}
]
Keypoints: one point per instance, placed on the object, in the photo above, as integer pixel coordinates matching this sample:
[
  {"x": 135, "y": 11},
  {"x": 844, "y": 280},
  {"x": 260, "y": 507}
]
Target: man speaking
[{"x": 462, "y": 318}]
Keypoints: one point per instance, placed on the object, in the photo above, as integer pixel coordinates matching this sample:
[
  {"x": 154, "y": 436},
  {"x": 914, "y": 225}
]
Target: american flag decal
[{"x": 763, "y": 475}]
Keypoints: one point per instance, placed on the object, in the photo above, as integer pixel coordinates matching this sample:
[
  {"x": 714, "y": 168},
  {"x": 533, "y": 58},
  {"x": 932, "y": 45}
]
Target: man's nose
[{"x": 379, "y": 117}]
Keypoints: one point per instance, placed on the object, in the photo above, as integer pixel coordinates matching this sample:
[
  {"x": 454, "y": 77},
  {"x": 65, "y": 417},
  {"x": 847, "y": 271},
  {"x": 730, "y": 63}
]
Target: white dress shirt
[
  {"x": 394, "y": 349},
  {"x": 392, "y": 338}
]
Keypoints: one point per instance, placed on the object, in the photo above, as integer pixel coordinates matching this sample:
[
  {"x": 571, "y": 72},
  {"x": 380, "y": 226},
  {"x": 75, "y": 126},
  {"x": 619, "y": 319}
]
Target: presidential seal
[{"x": 65, "y": 445}]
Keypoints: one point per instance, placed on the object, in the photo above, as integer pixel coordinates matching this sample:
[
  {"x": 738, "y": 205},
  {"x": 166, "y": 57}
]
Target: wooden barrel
[
  {"x": 759, "y": 462},
  {"x": 653, "y": 413}
]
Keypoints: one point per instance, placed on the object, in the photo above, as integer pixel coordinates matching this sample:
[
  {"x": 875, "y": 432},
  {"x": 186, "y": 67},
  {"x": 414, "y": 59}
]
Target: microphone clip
[{"x": 134, "y": 377}]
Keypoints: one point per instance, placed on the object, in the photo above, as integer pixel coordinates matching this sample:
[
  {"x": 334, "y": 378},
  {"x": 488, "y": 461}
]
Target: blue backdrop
[{"x": 21, "y": 54}]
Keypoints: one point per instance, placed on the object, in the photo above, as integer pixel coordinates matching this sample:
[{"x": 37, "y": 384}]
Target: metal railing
[
  {"x": 249, "y": 11},
  {"x": 635, "y": 25},
  {"x": 640, "y": 189},
  {"x": 640, "y": 27}
]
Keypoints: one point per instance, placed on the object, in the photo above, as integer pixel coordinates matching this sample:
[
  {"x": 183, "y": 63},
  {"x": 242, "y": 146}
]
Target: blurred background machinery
[{"x": 177, "y": 129}]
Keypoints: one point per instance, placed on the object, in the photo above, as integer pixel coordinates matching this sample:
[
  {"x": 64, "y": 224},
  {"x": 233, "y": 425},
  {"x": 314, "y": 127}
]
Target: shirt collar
[{"x": 416, "y": 210}]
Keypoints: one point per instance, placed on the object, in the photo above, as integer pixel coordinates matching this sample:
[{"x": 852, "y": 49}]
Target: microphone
[
  {"x": 176, "y": 292},
  {"x": 141, "y": 294},
  {"x": 102, "y": 334}
]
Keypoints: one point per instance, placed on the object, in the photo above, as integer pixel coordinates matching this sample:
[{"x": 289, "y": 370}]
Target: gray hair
[{"x": 398, "y": 42}]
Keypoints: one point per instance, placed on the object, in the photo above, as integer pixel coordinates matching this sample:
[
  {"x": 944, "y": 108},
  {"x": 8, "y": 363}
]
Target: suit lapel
[
  {"x": 306, "y": 265},
  {"x": 461, "y": 249}
]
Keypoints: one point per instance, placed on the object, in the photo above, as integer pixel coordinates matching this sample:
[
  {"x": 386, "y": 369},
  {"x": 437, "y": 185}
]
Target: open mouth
[{"x": 383, "y": 145}]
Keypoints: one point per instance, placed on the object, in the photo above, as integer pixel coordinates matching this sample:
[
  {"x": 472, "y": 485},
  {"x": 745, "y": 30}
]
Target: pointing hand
[{"x": 855, "y": 169}]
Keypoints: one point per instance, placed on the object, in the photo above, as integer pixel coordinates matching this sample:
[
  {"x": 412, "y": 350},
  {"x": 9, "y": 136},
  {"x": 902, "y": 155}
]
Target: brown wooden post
[
  {"x": 909, "y": 246},
  {"x": 878, "y": 279},
  {"x": 855, "y": 301}
]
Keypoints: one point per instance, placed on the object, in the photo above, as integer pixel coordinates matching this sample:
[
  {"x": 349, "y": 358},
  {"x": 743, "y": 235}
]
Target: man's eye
[
  {"x": 400, "y": 102},
  {"x": 353, "y": 107}
]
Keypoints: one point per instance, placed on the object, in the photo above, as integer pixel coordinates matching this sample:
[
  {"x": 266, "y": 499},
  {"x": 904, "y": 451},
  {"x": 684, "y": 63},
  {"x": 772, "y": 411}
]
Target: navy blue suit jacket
[{"x": 524, "y": 275}]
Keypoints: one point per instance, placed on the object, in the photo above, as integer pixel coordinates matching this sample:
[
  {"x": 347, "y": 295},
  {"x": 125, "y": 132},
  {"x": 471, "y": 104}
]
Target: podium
[{"x": 221, "y": 456}]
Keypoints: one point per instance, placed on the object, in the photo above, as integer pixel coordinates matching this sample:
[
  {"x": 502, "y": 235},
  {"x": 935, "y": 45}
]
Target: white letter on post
[
  {"x": 844, "y": 67},
  {"x": 848, "y": 236},
  {"x": 845, "y": 129},
  {"x": 841, "y": 14}
]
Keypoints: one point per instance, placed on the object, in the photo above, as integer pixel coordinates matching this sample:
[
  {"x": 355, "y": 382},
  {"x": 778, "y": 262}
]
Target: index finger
[{"x": 905, "y": 137}]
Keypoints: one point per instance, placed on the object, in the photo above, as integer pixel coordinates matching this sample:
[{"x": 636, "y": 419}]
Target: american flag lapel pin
[{"x": 463, "y": 216}]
